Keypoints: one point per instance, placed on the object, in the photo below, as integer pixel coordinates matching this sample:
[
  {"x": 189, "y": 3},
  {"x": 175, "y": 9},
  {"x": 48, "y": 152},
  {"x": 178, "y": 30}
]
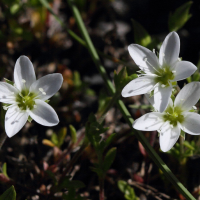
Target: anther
[
  {"x": 163, "y": 54},
  {"x": 179, "y": 59},
  {"x": 145, "y": 59},
  {"x": 23, "y": 81},
  {"x": 162, "y": 85},
  {"x": 35, "y": 106},
  {"x": 44, "y": 93},
  {"x": 173, "y": 71},
  {"x": 154, "y": 51},
  {"x": 5, "y": 108},
  {"x": 41, "y": 90},
  {"x": 171, "y": 126},
  {"x": 194, "y": 107}
]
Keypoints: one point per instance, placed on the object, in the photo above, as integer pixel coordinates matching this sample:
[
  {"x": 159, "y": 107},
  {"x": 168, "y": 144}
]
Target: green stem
[
  {"x": 78, "y": 39},
  {"x": 3, "y": 137},
  {"x": 158, "y": 161}
]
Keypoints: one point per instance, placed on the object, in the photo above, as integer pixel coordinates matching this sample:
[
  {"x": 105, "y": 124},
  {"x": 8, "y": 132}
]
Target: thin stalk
[
  {"x": 3, "y": 137},
  {"x": 101, "y": 190},
  {"x": 78, "y": 39},
  {"x": 155, "y": 157}
]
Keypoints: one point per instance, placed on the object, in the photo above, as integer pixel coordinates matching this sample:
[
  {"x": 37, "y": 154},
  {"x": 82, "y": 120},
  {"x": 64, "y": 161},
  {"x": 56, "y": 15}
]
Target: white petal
[
  {"x": 14, "y": 120},
  {"x": 49, "y": 84},
  {"x": 191, "y": 124},
  {"x": 149, "y": 122},
  {"x": 7, "y": 93},
  {"x": 170, "y": 49},
  {"x": 24, "y": 74},
  {"x": 168, "y": 137},
  {"x": 188, "y": 96},
  {"x": 44, "y": 114},
  {"x": 183, "y": 69},
  {"x": 139, "y": 54},
  {"x": 161, "y": 97},
  {"x": 138, "y": 86}
]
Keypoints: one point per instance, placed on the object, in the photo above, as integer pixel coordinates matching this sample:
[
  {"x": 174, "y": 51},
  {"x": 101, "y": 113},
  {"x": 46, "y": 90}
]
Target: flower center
[
  {"x": 165, "y": 76},
  {"x": 26, "y": 100},
  {"x": 173, "y": 115}
]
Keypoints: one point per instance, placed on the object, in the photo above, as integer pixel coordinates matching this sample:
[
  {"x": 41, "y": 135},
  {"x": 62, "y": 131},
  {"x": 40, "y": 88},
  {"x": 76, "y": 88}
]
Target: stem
[
  {"x": 82, "y": 42},
  {"x": 158, "y": 161},
  {"x": 101, "y": 191},
  {"x": 2, "y": 139}
]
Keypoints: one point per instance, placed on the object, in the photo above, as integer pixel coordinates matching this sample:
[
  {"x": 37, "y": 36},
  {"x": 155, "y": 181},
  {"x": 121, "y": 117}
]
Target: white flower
[
  {"x": 158, "y": 74},
  {"x": 28, "y": 96},
  {"x": 177, "y": 116}
]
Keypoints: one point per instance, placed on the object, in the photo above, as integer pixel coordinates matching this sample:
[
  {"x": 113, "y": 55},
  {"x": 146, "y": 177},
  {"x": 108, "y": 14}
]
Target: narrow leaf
[
  {"x": 109, "y": 158},
  {"x": 141, "y": 36},
  {"x": 73, "y": 134},
  {"x": 4, "y": 170},
  {"x": 9, "y": 194},
  {"x": 179, "y": 17}
]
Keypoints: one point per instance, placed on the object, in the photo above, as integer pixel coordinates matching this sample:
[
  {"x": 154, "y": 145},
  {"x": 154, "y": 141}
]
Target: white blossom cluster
[
  {"x": 27, "y": 97},
  {"x": 157, "y": 78}
]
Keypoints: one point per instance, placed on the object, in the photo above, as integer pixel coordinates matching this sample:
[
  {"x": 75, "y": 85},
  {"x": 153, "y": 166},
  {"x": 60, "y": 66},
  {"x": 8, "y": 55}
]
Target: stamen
[
  {"x": 145, "y": 59},
  {"x": 5, "y": 107},
  {"x": 41, "y": 89},
  {"x": 179, "y": 59},
  {"x": 154, "y": 51},
  {"x": 173, "y": 71},
  {"x": 194, "y": 107},
  {"x": 23, "y": 81},
  {"x": 162, "y": 85}
]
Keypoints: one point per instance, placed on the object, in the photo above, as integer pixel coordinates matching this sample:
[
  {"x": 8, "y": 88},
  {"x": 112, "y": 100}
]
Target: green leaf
[
  {"x": 15, "y": 8},
  {"x": 98, "y": 171},
  {"x": 93, "y": 131},
  {"x": 8, "y": 81},
  {"x": 9, "y": 194},
  {"x": 73, "y": 134},
  {"x": 119, "y": 78},
  {"x": 54, "y": 139},
  {"x": 141, "y": 36},
  {"x": 4, "y": 170},
  {"x": 103, "y": 102},
  {"x": 74, "y": 184},
  {"x": 58, "y": 139},
  {"x": 77, "y": 80},
  {"x": 109, "y": 140},
  {"x": 179, "y": 17},
  {"x": 61, "y": 136},
  {"x": 128, "y": 191},
  {"x": 109, "y": 158},
  {"x": 30, "y": 119}
]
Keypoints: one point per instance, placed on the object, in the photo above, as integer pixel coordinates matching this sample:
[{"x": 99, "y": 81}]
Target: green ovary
[
  {"x": 173, "y": 115},
  {"x": 165, "y": 75},
  {"x": 25, "y": 100}
]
